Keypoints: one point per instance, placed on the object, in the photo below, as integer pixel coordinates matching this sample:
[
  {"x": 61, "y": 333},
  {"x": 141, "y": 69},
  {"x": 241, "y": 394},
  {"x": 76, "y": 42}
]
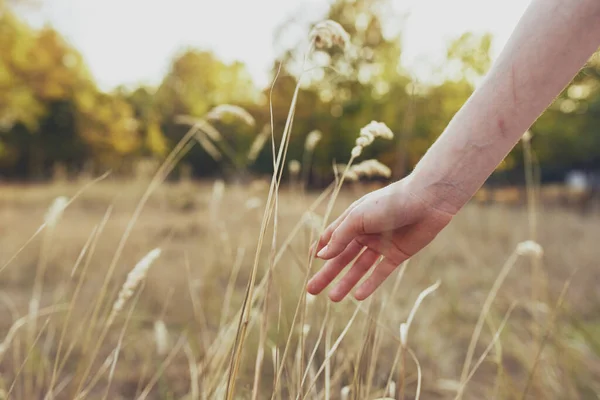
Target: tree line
[{"x": 52, "y": 113}]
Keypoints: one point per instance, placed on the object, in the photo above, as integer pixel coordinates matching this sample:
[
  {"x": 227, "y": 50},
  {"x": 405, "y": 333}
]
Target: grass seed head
[
  {"x": 312, "y": 139},
  {"x": 294, "y": 167},
  {"x": 530, "y": 248},
  {"x": 328, "y": 33},
  {"x": 356, "y": 151},
  {"x": 223, "y": 110},
  {"x": 371, "y": 169},
  {"x": 367, "y": 135},
  {"x": 377, "y": 129},
  {"x": 134, "y": 278}
]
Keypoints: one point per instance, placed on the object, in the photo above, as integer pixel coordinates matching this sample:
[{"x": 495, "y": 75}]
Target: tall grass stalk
[
  {"x": 547, "y": 332},
  {"x": 43, "y": 226},
  {"x": 166, "y": 167},
  {"x": 488, "y": 348},
  {"x": 273, "y": 190},
  {"x": 506, "y": 268}
]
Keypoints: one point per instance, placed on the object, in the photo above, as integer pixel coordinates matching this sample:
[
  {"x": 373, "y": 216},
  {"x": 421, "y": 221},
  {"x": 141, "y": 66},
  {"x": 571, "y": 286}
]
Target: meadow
[
  {"x": 174, "y": 336},
  {"x": 157, "y": 288}
]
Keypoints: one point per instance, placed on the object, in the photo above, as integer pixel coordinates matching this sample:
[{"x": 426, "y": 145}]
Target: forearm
[{"x": 551, "y": 42}]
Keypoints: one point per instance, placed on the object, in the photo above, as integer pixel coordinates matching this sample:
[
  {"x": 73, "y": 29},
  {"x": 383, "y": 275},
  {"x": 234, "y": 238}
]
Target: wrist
[{"x": 437, "y": 192}]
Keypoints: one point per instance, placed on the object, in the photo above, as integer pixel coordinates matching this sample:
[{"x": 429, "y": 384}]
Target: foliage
[{"x": 52, "y": 112}]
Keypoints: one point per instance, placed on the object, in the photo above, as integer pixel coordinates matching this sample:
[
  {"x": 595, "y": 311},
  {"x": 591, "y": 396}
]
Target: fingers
[
  {"x": 379, "y": 274},
  {"x": 348, "y": 230},
  {"x": 364, "y": 262},
  {"x": 326, "y": 235},
  {"x": 332, "y": 268}
]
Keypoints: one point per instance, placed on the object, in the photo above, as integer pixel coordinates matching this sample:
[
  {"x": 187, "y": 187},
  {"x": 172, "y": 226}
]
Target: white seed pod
[
  {"x": 367, "y": 137},
  {"x": 135, "y": 276},
  {"x": 362, "y": 141},
  {"x": 526, "y": 136},
  {"x": 312, "y": 139},
  {"x": 378, "y": 129},
  {"x": 328, "y": 33},
  {"x": 530, "y": 248},
  {"x": 356, "y": 151},
  {"x": 373, "y": 168},
  {"x": 294, "y": 167}
]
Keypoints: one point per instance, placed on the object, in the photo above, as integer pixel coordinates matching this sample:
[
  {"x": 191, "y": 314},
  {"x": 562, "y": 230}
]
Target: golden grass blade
[{"x": 508, "y": 265}]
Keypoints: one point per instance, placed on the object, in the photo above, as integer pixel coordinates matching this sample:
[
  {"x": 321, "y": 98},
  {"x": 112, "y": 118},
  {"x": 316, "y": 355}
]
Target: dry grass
[
  {"x": 221, "y": 311},
  {"x": 187, "y": 288}
]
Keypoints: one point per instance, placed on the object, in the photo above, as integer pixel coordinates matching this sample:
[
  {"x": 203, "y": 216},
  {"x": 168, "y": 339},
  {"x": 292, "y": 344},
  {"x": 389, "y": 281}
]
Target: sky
[{"x": 132, "y": 42}]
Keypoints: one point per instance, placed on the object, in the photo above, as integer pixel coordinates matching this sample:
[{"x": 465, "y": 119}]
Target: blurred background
[{"x": 89, "y": 86}]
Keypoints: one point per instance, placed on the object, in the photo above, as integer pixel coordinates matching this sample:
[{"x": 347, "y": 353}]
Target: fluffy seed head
[
  {"x": 135, "y": 276},
  {"x": 371, "y": 168},
  {"x": 294, "y": 166},
  {"x": 220, "y": 111},
  {"x": 367, "y": 135},
  {"x": 377, "y": 129},
  {"x": 312, "y": 139},
  {"x": 530, "y": 248},
  {"x": 328, "y": 33},
  {"x": 362, "y": 141},
  {"x": 356, "y": 151}
]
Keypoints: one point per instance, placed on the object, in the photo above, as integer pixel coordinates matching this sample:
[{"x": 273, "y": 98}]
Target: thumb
[{"x": 351, "y": 227}]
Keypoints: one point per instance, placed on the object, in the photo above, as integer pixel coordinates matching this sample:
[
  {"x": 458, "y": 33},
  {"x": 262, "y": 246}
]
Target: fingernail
[
  {"x": 334, "y": 295},
  {"x": 322, "y": 252}
]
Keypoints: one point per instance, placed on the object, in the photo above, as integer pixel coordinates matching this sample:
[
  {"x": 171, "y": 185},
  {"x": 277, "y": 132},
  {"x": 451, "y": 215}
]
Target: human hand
[{"x": 394, "y": 222}]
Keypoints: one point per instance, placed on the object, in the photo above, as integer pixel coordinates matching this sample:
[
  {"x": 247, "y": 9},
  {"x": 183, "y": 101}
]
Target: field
[{"x": 174, "y": 336}]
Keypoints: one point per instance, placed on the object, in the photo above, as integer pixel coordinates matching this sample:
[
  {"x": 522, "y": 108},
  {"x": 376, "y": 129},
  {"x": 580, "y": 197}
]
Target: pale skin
[{"x": 549, "y": 45}]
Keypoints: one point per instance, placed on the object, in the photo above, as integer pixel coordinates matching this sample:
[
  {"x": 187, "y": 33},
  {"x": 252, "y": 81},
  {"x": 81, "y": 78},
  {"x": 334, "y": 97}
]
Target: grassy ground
[{"x": 196, "y": 288}]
